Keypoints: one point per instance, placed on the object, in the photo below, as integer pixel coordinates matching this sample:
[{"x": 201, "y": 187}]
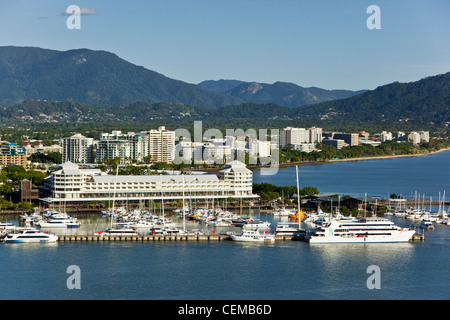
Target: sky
[{"x": 321, "y": 43}]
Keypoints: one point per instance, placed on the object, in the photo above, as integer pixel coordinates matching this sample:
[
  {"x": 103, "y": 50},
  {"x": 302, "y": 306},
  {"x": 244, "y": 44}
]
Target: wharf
[
  {"x": 142, "y": 238},
  {"x": 418, "y": 237}
]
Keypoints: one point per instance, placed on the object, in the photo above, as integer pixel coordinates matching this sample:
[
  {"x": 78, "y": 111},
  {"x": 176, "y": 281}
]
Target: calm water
[
  {"x": 427, "y": 175},
  {"x": 237, "y": 271}
]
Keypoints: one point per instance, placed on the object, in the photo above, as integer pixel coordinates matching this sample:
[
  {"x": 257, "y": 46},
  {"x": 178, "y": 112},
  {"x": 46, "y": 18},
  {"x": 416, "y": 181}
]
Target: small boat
[
  {"x": 30, "y": 235},
  {"x": 253, "y": 236},
  {"x": 283, "y": 212},
  {"x": 256, "y": 224},
  {"x": 426, "y": 224}
]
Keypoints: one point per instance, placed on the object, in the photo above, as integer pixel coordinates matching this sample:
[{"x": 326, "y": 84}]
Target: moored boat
[{"x": 253, "y": 236}]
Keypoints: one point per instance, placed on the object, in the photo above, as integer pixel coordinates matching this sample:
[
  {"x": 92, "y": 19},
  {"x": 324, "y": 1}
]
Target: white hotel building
[{"x": 72, "y": 184}]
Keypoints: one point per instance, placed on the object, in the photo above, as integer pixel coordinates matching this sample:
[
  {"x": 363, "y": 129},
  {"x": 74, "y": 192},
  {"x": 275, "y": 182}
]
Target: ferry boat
[
  {"x": 29, "y": 235},
  {"x": 253, "y": 236},
  {"x": 364, "y": 230}
]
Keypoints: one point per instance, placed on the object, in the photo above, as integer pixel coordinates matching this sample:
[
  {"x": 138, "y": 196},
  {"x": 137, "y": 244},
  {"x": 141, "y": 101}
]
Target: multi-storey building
[
  {"x": 11, "y": 153},
  {"x": 78, "y": 149},
  {"x": 352, "y": 139},
  {"x": 161, "y": 145},
  {"x": 75, "y": 185},
  {"x": 296, "y": 136},
  {"x": 127, "y": 146}
]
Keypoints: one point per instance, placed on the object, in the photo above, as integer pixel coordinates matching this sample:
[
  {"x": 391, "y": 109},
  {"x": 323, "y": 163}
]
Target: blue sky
[{"x": 323, "y": 43}]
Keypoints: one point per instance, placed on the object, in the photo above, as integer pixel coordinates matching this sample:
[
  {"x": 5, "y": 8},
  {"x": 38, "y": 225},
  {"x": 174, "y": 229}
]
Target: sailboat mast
[
  {"x": 184, "y": 212},
  {"x": 298, "y": 197}
]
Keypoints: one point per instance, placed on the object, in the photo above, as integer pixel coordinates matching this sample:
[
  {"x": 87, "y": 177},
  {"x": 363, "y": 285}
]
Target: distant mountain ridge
[
  {"x": 102, "y": 78},
  {"x": 281, "y": 93},
  {"x": 401, "y": 106},
  {"x": 92, "y": 77}
]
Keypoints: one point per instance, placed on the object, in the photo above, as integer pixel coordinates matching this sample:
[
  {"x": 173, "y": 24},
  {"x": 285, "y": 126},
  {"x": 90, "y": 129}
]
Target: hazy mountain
[
  {"x": 92, "y": 77},
  {"x": 397, "y": 106},
  {"x": 425, "y": 102},
  {"x": 282, "y": 93}
]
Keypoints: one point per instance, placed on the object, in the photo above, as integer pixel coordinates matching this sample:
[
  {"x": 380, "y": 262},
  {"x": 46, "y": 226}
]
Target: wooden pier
[
  {"x": 143, "y": 238},
  {"x": 418, "y": 237}
]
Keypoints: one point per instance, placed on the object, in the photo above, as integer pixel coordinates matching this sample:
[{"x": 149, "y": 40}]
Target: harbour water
[{"x": 226, "y": 270}]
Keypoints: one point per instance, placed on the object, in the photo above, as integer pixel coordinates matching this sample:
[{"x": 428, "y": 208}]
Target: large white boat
[
  {"x": 253, "y": 236},
  {"x": 59, "y": 221},
  {"x": 28, "y": 235},
  {"x": 285, "y": 229},
  {"x": 365, "y": 230}
]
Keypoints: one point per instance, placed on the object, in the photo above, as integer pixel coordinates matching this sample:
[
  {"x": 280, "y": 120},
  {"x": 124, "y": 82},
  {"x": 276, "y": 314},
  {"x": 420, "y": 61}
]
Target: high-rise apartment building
[
  {"x": 127, "y": 146},
  {"x": 78, "y": 149},
  {"x": 295, "y": 136},
  {"x": 161, "y": 145}
]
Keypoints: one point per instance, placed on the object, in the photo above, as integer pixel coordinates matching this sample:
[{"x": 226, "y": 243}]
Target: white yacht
[
  {"x": 364, "y": 230},
  {"x": 285, "y": 229},
  {"x": 253, "y": 236},
  {"x": 28, "y": 235},
  {"x": 59, "y": 221},
  {"x": 283, "y": 212},
  {"x": 256, "y": 224}
]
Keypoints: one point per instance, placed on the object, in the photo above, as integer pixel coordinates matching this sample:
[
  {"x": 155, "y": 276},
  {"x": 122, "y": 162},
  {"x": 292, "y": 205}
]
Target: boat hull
[{"x": 405, "y": 236}]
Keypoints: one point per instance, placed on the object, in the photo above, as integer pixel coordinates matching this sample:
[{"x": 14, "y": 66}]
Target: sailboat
[
  {"x": 111, "y": 231},
  {"x": 286, "y": 229}
]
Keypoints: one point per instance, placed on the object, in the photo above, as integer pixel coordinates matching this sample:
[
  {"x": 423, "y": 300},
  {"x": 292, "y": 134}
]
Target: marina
[{"x": 206, "y": 264}]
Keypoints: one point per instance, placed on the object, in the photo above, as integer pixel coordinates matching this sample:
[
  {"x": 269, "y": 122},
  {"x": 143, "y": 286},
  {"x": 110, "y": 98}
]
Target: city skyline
[{"x": 321, "y": 43}]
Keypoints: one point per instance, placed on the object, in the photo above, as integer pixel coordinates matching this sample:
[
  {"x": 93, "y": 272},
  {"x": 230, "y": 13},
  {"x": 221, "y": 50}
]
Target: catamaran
[{"x": 27, "y": 235}]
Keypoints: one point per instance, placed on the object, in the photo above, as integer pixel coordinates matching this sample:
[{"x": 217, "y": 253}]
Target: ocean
[{"x": 226, "y": 270}]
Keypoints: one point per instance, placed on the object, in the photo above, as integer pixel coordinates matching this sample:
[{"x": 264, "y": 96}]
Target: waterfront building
[
  {"x": 352, "y": 139},
  {"x": 259, "y": 148},
  {"x": 11, "y": 153},
  {"x": 73, "y": 184},
  {"x": 37, "y": 146},
  {"x": 162, "y": 145},
  {"x": 127, "y": 146},
  {"x": 424, "y": 136},
  {"x": 414, "y": 137},
  {"x": 337, "y": 143},
  {"x": 290, "y": 135},
  {"x": 78, "y": 149},
  {"x": 385, "y": 136},
  {"x": 400, "y": 136},
  {"x": 305, "y": 147}
]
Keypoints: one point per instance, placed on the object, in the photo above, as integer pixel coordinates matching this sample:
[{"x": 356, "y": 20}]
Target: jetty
[
  {"x": 178, "y": 237},
  {"x": 144, "y": 238}
]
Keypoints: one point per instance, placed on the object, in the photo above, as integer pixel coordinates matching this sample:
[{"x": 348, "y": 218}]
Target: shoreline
[
  {"x": 391, "y": 156},
  {"x": 293, "y": 164}
]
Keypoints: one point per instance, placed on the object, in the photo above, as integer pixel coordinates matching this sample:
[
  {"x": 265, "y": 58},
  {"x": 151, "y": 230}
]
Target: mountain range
[
  {"x": 84, "y": 87},
  {"x": 102, "y": 78}
]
